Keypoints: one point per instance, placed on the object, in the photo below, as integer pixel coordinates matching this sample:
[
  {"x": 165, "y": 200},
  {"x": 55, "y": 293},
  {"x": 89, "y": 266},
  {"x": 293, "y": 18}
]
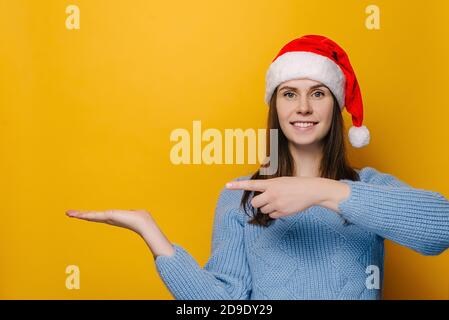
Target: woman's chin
[
  {"x": 303, "y": 138},
  {"x": 304, "y": 141}
]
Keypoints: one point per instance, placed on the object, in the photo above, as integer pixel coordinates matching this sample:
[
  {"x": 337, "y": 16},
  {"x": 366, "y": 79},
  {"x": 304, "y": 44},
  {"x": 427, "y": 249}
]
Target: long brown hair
[{"x": 334, "y": 163}]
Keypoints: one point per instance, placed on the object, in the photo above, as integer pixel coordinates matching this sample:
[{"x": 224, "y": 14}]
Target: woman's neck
[{"x": 307, "y": 160}]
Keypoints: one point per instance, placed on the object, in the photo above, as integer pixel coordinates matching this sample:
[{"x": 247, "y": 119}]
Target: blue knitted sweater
[{"x": 316, "y": 253}]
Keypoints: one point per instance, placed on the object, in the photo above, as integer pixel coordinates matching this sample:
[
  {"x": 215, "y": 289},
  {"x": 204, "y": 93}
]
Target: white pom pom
[{"x": 359, "y": 136}]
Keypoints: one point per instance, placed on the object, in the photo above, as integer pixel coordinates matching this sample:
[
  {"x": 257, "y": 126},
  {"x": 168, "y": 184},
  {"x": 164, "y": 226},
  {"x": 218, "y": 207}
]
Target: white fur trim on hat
[
  {"x": 359, "y": 136},
  {"x": 305, "y": 64}
]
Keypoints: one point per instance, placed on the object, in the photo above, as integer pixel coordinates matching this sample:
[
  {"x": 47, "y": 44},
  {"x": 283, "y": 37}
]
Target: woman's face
[{"x": 304, "y": 100}]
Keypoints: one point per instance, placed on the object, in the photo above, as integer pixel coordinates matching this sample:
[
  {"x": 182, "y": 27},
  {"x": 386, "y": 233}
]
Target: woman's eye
[
  {"x": 319, "y": 93},
  {"x": 289, "y": 94}
]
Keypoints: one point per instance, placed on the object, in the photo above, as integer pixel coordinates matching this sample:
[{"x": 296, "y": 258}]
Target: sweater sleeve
[
  {"x": 226, "y": 274},
  {"x": 390, "y": 208}
]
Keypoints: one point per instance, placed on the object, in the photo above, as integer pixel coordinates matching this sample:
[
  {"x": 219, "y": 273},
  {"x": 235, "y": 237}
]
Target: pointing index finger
[{"x": 252, "y": 185}]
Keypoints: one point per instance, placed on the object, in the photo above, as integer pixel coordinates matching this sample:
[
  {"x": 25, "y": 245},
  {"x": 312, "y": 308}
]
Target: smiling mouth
[{"x": 298, "y": 124}]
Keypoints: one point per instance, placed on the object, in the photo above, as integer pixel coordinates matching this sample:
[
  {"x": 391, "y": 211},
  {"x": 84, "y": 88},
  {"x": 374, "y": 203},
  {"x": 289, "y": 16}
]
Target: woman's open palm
[
  {"x": 139, "y": 221},
  {"x": 134, "y": 220}
]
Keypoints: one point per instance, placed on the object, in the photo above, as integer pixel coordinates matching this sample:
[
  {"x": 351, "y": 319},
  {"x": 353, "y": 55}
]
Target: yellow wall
[{"x": 85, "y": 119}]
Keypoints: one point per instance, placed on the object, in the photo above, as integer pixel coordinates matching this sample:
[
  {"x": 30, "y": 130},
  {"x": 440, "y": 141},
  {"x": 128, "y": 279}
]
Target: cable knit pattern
[{"x": 314, "y": 254}]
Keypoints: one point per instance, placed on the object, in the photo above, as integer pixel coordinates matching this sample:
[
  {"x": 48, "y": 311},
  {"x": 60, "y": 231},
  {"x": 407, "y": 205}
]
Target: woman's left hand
[{"x": 283, "y": 196}]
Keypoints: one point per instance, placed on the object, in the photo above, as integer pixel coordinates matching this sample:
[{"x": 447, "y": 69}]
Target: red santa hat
[{"x": 318, "y": 58}]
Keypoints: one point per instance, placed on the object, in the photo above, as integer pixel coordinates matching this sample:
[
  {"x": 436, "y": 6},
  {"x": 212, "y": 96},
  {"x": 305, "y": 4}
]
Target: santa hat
[{"x": 318, "y": 58}]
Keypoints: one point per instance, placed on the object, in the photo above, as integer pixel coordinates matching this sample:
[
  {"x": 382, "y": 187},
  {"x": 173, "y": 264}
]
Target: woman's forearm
[
  {"x": 332, "y": 193},
  {"x": 156, "y": 240},
  {"x": 413, "y": 217}
]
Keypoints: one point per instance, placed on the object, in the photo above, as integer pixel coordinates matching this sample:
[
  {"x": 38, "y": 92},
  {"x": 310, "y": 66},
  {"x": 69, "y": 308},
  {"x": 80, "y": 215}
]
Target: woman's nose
[{"x": 303, "y": 106}]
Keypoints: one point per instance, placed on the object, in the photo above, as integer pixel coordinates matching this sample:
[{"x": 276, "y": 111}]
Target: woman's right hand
[
  {"x": 139, "y": 221},
  {"x": 135, "y": 220}
]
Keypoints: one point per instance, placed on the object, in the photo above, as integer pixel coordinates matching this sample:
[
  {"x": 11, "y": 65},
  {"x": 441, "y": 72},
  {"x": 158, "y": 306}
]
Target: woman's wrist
[
  {"x": 332, "y": 192},
  {"x": 156, "y": 241}
]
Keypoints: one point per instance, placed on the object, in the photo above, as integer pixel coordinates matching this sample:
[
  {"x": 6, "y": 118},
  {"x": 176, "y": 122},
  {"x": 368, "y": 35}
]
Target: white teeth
[{"x": 303, "y": 124}]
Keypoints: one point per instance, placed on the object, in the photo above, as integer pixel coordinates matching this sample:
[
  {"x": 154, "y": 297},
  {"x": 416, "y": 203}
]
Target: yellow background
[{"x": 86, "y": 115}]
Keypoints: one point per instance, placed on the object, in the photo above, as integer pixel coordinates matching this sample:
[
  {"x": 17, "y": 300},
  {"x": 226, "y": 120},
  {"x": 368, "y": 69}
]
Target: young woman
[{"x": 315, "y": 228}]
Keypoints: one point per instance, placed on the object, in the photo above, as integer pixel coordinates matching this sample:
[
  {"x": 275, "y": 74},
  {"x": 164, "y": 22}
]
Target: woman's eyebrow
[{"x": 295, "y": 89}]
